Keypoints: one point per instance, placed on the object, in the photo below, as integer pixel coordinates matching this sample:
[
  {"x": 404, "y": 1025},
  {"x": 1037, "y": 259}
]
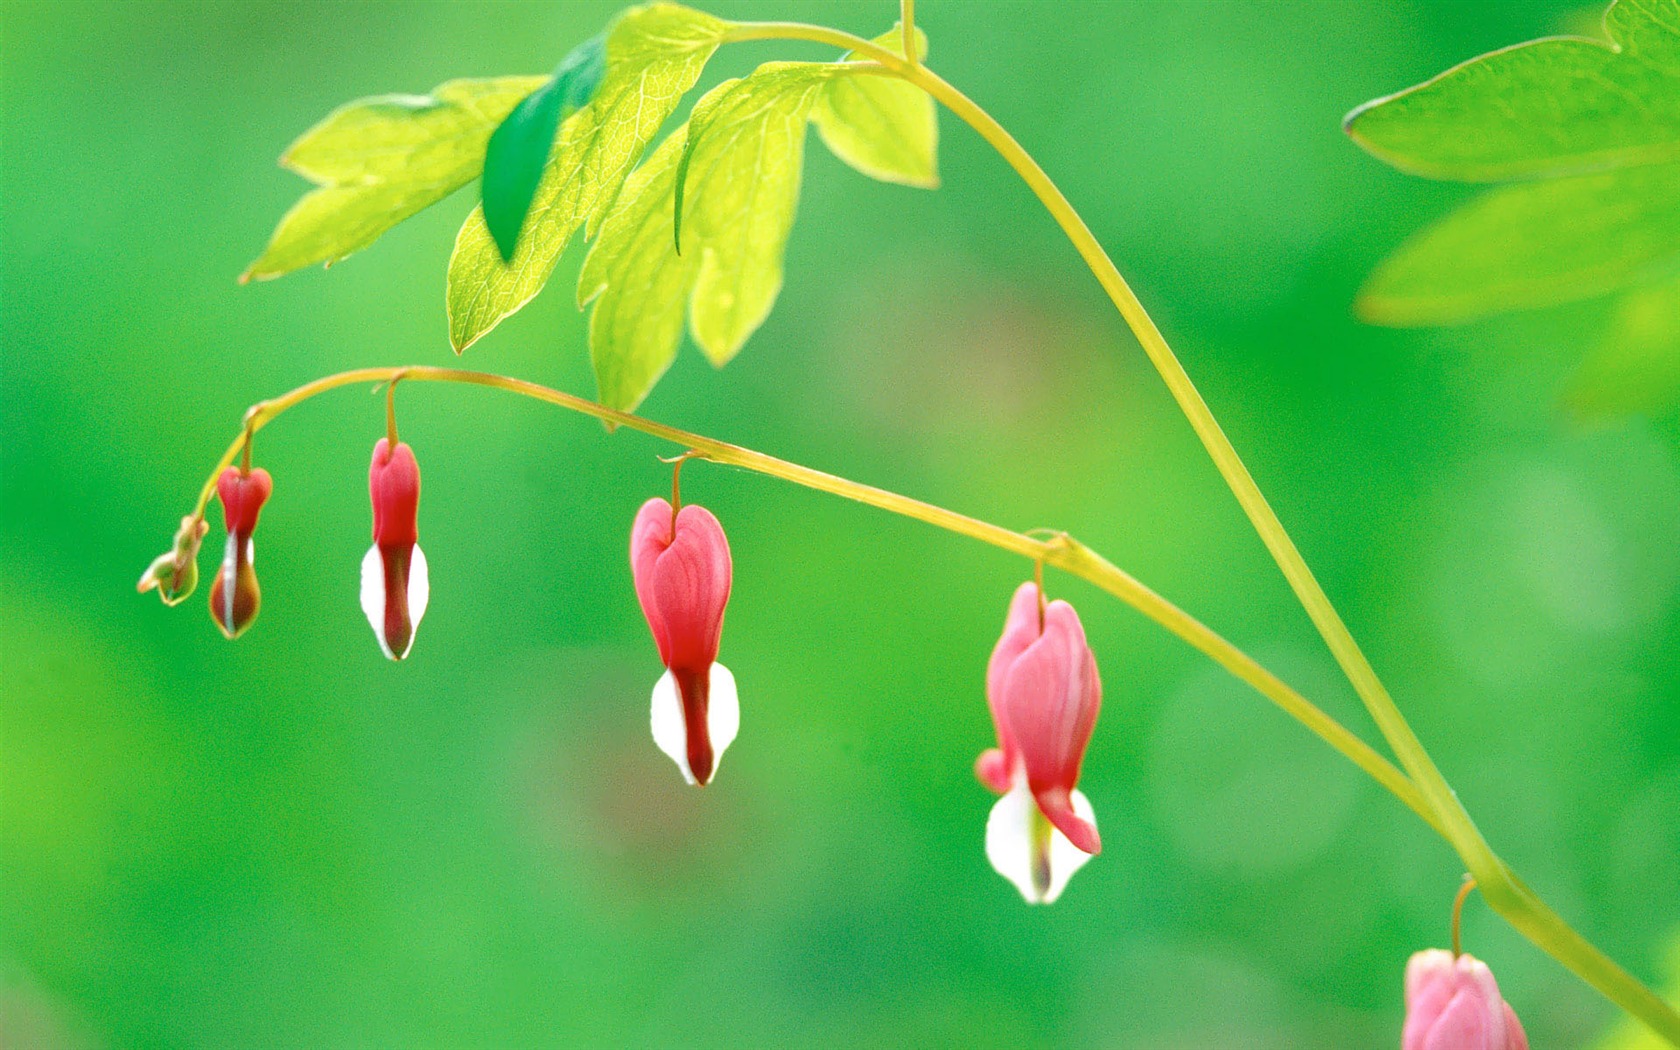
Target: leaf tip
[{"x": 1374, "y": 308}]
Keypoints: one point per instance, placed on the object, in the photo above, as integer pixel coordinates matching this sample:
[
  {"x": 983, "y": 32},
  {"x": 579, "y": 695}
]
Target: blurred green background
[{"x": 289, "y": 842}]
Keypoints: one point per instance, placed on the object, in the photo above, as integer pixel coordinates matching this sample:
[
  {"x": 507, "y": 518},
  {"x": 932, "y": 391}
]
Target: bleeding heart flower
[
  {"x": 395, "y": 584},
  {"x": 1454, "y": 1004},
  {"x": 1044, "y": 694},
  {"x": 680, "y": 563},
  {"x": 234, "y": 596}
]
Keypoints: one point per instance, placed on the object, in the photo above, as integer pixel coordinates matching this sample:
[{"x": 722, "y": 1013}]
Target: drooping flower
[
  {"x": 1044, "y": 693},
  {"x": 1454, "y": 1004},
  {"x": 174, "y": 573},
  {"x": 234, "y": 596},
  {"x": 395, "y": 584},
  {"x": 680, "y": 563}
]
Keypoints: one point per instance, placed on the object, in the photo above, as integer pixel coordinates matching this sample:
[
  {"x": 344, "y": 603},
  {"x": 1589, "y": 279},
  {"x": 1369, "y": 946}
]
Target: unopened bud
[
  {"x": 234, "y": 596},
  {"x": 174, "y": 573}
]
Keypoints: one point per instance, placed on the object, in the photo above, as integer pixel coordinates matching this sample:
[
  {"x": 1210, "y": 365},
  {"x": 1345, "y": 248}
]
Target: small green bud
[{"x": 174, "y": 573}]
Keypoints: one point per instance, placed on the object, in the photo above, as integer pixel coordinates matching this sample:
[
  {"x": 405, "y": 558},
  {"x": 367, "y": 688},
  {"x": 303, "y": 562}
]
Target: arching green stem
[
  {"x": 1060, "y": 550},
  {"x": 1503, "y": 892}
]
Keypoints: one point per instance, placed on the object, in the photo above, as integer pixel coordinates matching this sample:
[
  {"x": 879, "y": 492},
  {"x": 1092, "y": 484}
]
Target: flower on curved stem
[
  {"x": 235, "y": 596},
  {"x": 395, "y": 584},
  {"x": 1044, "y": 693},
  {"x": 1453, "y": 1003},
  {"x": 680, "y": 563}
]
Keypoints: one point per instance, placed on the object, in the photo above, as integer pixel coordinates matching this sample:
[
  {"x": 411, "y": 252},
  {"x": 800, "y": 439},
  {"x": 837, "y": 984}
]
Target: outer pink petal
[
  {"x": 992, "y": 767},
  {"x": 681, "y": 581},
  {"x": 1020, "y": 629},
  {"x": 243, "y": 496},
  {"x": 1515, "y": 1037},
  {"x": 1052, "y": 695},
  {"x": 1454, "y": 1004},
  {"x": 1430, "y": 980},
  {"x": 394, "y": 486},
  {"x": 650, "y": 535}
]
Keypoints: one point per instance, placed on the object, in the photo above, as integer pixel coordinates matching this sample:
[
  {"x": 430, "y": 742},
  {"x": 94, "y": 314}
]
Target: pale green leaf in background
[
  {"x": 638, "y": 282},
  {"x": 744, "y": 148},
  {"x": 654, "y": 55},
  {"x": 379, "y": 161},
  {"x": 744, "y": 184},
  {"x": 730, "y": 182},
  {"x": 1636, "y": 365},
  {"x": 1550, "y": 107},
  {"x": 1529, "y": 245},
  {"x": 882, "y": 126}
]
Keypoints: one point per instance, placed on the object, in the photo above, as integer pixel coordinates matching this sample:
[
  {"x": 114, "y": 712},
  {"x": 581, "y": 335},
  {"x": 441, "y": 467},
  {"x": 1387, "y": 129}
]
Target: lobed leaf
[
  {"x": 381, "y": 160},
  {"x": 742, "y": 153},
  {"x": 654, "y": 54},
  {"x": 1560, "y": 106},
  {"x": 701, "y": 228},
  {"x": 884, "y": 127},
  {"x": 1530, "y": 245},
  {"x": 518, "y": 149},
  {"x": 638, "y": 282}
]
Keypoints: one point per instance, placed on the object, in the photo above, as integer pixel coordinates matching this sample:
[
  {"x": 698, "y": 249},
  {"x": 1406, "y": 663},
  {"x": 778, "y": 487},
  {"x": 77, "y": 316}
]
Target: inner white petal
[
  {"x": 419, "y": 591},
  {"x": 373, "y": 596},
  {"x": 723, "y": 713},
  {"x": 667, "y": 722},
  {"x": 1009, "y": 843},
  {"x": 1009, "y": 838}
]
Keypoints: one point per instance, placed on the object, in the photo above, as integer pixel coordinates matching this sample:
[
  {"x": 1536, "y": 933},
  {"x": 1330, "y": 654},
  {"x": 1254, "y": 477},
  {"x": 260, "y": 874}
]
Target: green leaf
[
  {"x": 1550, "y": 107},
  {"x": 519, "y": 147},
  {"x": 654, "y": 55},
  {"x": 1636, "y": 365},
  {"x": 882, "y": 126},
  {"x": 638, "y": 282},
  {"x": 744, "y": 148},
  {"x": 1530, "y": 245},
  {"x": 380, "y": 160}
]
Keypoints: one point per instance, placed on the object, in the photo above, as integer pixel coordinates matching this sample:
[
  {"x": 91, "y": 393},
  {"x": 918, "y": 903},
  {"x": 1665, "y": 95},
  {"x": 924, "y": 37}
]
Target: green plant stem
[
  {"x": 1061, "y": 550},
  {"x": 1499, "y": 886}
]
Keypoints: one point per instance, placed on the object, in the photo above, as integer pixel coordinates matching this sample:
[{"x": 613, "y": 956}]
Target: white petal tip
[
  {"x": 723, "y": 718},
  {"x": 1040, "y": 872},
  {"x": 373, "y": 597}
]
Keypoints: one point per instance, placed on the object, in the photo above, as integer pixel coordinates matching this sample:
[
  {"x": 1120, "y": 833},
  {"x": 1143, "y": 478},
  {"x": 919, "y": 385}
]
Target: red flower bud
[
  {"x": 234, "y": 596},
  {"x": 1044, "y": 693},
  {"x": 395, "y": 583},
  {"x": 1454, "y": 1004},
  {"x": 681, "y": 568}
]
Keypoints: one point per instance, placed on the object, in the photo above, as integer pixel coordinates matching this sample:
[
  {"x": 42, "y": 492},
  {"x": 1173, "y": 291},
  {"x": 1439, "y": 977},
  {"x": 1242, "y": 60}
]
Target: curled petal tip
[
  {"x": 1057, "y": 806},
  {"x": 992, "y": 768}
]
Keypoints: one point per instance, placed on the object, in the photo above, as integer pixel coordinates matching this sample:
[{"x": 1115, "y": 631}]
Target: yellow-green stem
[
  {"x": 1061, "y": 550},
  {"x": 1499, "y": 887}
]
